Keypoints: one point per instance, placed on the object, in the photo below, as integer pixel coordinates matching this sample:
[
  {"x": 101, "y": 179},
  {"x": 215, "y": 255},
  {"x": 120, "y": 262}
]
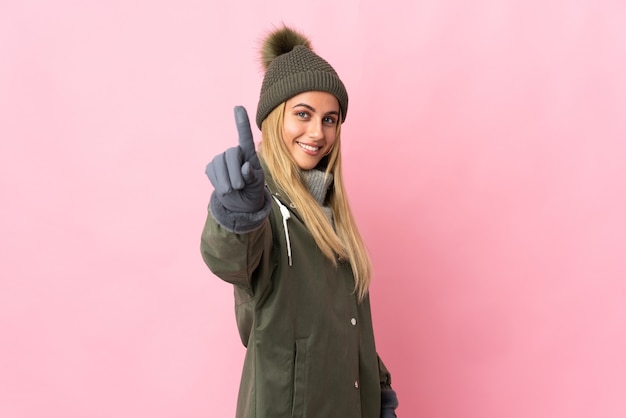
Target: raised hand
[{"x": 236, "y": 174}]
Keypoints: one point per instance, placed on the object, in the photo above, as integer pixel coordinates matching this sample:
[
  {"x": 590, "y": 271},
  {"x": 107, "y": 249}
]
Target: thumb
[{"x": 247, "y": 172}]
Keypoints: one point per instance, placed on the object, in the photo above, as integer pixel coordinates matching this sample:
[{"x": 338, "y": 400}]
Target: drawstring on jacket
[{"x": 286, "y": 215}]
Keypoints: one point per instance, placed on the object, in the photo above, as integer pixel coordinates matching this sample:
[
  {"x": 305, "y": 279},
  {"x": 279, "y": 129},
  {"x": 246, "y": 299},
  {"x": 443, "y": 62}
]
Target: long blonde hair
[{"x": 345, "y": 240}]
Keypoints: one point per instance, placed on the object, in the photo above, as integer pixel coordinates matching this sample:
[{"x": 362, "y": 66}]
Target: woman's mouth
[{"x": 309, "y": 149}]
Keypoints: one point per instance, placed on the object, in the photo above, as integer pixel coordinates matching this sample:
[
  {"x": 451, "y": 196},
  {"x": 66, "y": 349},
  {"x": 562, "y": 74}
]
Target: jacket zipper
[{"x": 286, "y": 215}]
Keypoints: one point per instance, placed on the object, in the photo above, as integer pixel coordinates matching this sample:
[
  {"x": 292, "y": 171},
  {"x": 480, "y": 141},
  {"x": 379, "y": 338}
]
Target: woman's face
[{"x": 310, "y": 126}]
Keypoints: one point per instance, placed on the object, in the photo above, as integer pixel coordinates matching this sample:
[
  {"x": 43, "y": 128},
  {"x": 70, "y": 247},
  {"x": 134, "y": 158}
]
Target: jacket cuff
[
  {"x": 239, "y": 222},
  {"x": 388, "y": 399},
  {"x": 388, "y": 413}
]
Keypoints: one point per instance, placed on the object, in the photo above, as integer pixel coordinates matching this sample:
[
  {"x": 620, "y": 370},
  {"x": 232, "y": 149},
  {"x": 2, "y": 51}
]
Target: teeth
[{"x": 308, "y": 147}]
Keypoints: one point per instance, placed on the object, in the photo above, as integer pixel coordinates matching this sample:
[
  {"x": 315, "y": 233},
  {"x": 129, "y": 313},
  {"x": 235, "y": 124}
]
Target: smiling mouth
[{"x": 308, "y": 147}]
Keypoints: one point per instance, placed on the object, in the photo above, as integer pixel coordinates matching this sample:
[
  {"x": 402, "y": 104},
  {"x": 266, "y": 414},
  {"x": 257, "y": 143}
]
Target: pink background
[{"x": 485, "y": 156}]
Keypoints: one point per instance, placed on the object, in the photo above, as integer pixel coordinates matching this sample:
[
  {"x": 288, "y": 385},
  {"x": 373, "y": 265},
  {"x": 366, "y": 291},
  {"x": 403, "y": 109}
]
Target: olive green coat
[{"x": 310, "y": 345}]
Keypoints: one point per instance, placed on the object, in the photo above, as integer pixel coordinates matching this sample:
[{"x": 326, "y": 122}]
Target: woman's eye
[
  {"x": 302, "y": 114},
  {"x": 329, "y": 120}
]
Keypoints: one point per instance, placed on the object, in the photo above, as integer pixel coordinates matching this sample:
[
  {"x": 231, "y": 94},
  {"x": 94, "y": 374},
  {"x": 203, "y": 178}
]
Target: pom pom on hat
[
  {"x": 280, "y": 42},
  {"x": 291, "y": 67}
]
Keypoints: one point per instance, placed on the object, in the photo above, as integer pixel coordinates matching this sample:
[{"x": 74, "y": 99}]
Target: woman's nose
[{"x": 315, "y": 130}]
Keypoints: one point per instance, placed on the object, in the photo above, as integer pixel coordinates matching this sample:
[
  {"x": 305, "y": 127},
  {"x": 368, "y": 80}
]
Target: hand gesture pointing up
[{"x": 236, "y": 174}]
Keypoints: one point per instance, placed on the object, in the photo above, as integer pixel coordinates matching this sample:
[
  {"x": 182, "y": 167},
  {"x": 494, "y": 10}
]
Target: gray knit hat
[{"x": 291, "y": 68}]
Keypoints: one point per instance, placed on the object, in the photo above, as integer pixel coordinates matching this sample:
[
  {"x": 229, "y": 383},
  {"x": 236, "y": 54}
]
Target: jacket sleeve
[
  {"x": 388, "y": 398},
  {"x": 233, "y": 256}
]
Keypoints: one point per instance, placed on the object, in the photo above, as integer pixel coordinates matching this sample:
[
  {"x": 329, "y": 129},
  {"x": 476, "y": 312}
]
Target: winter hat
[{"x": 291, "y": 67}]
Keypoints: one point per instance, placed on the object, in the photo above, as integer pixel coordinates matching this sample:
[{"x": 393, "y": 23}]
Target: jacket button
[
  {"x": 356, "y": 384},
  {"x": 353, "y": 321}
]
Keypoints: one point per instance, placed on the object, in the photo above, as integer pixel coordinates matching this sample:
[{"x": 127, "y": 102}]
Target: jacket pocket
[{"x": 299, "y": 379}]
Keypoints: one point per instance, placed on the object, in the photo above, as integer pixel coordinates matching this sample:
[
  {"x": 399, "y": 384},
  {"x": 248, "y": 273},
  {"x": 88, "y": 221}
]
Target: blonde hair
[{"x": 345, "y": 240}]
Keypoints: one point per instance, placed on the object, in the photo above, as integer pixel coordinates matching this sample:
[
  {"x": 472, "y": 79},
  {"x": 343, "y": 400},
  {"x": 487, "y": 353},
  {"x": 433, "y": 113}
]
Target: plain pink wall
[{"x": 485, "y": 155}]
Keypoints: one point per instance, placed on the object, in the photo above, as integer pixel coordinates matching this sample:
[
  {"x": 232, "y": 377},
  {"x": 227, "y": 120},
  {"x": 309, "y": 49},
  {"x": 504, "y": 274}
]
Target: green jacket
[{"x": 310, "y": 344}]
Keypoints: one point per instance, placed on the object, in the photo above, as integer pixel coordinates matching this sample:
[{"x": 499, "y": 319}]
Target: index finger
[{"x": 246, "y": 142}]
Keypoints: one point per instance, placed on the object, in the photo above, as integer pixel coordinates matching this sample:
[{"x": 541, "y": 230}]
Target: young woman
[{"x": 281, "y": 231}]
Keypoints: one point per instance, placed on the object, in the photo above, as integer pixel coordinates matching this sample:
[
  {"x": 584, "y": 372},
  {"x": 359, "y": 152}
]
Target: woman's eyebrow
[{"x": 311, "y": 108}]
